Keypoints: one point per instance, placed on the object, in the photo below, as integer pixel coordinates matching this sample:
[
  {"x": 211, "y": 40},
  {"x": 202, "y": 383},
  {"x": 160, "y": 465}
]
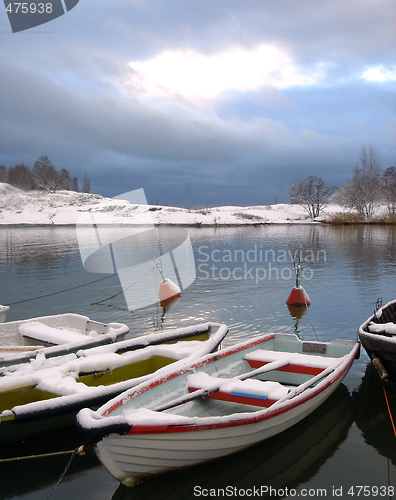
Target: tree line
[
  {"x": 42, "y": 176},
  {"x": 370, "y": 187}
]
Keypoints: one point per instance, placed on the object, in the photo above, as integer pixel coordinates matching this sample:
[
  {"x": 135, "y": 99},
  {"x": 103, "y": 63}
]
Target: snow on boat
[
  {"x": 54, "y": 335},
  {"x": 219, "y": 404},
  {"x": 46, "y": 394},
  {"x": 3, "y": 313},
  {"x": 378, "y": 336}
]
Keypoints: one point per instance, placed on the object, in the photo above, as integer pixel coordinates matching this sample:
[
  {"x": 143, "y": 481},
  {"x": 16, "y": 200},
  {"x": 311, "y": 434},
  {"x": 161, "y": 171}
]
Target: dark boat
[{"x": 378, "y": 336}]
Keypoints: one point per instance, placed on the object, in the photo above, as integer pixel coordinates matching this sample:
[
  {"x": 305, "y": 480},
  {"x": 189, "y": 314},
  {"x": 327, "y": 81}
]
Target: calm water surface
[{"x": 244, "y": 276}]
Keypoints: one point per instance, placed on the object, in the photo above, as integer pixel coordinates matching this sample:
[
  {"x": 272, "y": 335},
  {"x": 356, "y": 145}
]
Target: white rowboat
[
  {"x": 215, "y": 406},
  {"x": 54, "y": 335}
]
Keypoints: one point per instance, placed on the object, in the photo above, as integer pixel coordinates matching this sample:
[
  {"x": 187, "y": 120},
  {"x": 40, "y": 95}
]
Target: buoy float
[
  {"x": 168, "y": 289},
  {"x": 298, "y": 296}
]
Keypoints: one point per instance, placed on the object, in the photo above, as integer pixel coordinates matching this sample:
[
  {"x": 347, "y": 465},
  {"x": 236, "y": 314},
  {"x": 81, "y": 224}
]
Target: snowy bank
[{"x": 65, "y": 207}]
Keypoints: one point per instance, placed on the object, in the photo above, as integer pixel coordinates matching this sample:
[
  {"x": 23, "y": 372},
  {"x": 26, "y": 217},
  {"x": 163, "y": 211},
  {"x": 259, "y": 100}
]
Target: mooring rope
[
  {"x": 42, "y": 455},
  {"x": 79, "y": 450},
  {"x": 310, "y": 320},
  {"x": 387, "y": 404},
  {"x": 99, "y": 302},
  {"x": 61, "y": 291}
]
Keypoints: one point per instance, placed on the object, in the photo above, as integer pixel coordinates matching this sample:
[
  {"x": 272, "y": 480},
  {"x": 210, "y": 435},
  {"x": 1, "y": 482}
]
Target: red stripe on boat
[{"x": 291, "y": 368}]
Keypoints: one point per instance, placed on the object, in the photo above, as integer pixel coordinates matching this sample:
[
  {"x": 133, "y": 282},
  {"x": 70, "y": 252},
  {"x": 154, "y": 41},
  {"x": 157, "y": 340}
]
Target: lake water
[{"x": 243, "y": 278}]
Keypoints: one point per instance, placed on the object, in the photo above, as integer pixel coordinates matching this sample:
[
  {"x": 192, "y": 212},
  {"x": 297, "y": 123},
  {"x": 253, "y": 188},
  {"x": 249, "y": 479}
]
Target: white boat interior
[{"x": 285, "y": 362}]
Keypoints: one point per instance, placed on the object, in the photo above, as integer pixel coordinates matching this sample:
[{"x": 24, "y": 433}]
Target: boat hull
[
  {"x": 134, "y": 458},
  {"x": 377, "y": 344},
  {"x": 382, "y": 348}
]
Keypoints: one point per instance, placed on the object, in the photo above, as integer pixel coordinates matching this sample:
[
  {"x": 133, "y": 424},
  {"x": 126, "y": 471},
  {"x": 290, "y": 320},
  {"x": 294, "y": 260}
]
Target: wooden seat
[
  {"x": 248, "y": 392},
  {"x": 301, "y": 363},
  {"x": 38, "y": 331}
]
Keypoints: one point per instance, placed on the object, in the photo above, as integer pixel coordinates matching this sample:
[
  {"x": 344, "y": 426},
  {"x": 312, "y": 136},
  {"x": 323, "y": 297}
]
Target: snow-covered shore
[{"x": 65, "y": 207}]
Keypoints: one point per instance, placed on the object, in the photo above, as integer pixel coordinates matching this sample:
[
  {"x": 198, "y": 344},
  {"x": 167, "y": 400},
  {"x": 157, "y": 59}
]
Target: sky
[{"x": 202, "y": 102}]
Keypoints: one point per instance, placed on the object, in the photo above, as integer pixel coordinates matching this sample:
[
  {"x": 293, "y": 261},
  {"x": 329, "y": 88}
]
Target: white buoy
[{"x": 168, "y": 289}]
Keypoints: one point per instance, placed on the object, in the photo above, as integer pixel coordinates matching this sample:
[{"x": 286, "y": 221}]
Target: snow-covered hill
[{"x": 65, "y": 207}]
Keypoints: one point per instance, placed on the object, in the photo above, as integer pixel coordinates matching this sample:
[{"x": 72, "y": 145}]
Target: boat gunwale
[
  {"x": 363, "y": 332},
  {"x": 257, "y": 416}
]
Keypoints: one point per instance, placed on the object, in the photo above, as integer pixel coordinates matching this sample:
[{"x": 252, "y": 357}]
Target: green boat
[{"x": 45, "y": 394}]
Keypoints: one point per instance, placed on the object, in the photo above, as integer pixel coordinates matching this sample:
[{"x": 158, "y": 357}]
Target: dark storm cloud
[{"x": 64, "y": 94}]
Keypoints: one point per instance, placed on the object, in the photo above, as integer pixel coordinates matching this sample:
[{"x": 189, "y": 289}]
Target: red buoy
[{"x": 298, "y": 297}]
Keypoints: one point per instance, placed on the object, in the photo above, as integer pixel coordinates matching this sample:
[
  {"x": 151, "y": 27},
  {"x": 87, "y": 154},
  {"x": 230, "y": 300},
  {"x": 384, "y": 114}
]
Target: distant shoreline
[{"x": 67, "y": 208}]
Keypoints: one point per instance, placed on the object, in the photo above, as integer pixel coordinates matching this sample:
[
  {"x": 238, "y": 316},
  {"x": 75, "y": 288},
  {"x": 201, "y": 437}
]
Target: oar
[
  {"x": 19, "y": 387},
  {"x": 309, "y": 383},
  {"x": 274, "y": 365}
]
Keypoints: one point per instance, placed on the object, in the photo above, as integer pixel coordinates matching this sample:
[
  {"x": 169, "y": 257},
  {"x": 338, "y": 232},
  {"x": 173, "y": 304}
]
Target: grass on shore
[{"x": 346, "y": 218}]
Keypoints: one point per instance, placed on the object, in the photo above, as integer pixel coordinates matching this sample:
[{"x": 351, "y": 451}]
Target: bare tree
[
  {"x": 64, "y": 180},
  {"x": 86, "y": 184},
  {"x": 364, "y": 191},
  {"x": 20, "y": 176},
  {"x": 312, "y": 195},
  {"x": 45, "y": 175},
  {"x": 3, "y": 173},
  {"x": 389, "y": 188},
  {"x": 74, "y": 184}
]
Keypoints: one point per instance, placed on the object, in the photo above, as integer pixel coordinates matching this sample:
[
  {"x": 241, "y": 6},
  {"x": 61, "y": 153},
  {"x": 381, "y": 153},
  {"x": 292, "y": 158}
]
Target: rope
[
  {"x": 43, "y": 455},
  {"x": 74, "y": 452},
  {"x": 310, "y": 320},
  {"x": 87, "y": 284},
  {"x": 61, "y": 291},
  {"x": 387, "y": 404},
  {"x": 124, "y": 289}
]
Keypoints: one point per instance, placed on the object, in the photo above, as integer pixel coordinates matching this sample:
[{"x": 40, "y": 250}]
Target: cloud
[
  {"x": 191, "y": 74},
  {"x": 204, "y": 101},
  {"x": 379, "y": 74}
]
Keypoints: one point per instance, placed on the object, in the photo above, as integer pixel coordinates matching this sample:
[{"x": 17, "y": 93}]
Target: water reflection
[
  {"x": 370, "y": 250},
  {"x": 20, "y": 246},
  {"x": 282, "y": 461},
  {"x": 372, "y": 416},
  {"x": 296, "y": 312}
]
